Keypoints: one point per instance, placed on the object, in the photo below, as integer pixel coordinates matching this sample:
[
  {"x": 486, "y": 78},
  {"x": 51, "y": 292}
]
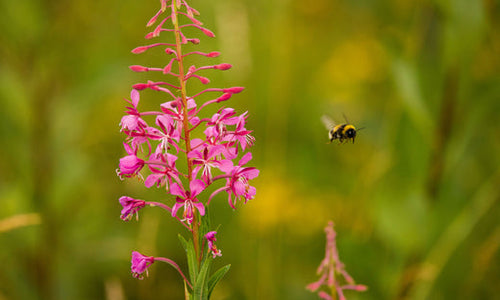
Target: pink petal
[
  {"x": 196, "y": 143},
  {"x": 152, "y": 179},
  {"x": 196, "y": 186},
  {"x": 171, "y": 159},
  {"x": 246, "y": 158},
  {"x": 216, "y": 150},
  {"x": 195, "y": 154},
  {"x": 200, "y": 207},
  {"x": 239, "y": 188},
  {"x": 134, "y": 96},
  {"x": 164, "y": 121},
  {"x": 175, "y": 189},
  {"x": 226, "y": 166},
  {"x": 194, "y": 121},
  {"x": 211, "y": 235},
  {"x": 176, "y": 207},
  {"x": 251, "y": 173}
]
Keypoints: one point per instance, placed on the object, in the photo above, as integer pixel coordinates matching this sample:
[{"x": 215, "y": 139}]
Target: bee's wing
[{"x": 328, "y": 122}]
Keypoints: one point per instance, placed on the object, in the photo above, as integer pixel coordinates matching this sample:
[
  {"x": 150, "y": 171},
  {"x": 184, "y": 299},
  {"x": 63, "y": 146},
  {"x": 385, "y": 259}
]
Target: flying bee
[{"x": 341, "y": 132}]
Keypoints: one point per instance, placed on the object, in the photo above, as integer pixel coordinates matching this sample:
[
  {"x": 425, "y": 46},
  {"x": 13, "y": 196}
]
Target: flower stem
[
  {"x": 334, "y": 285},
  {"x": 187, "y": 140},
  {"x": 173, "y": 264},
  {"x": 165, "y": 207}
]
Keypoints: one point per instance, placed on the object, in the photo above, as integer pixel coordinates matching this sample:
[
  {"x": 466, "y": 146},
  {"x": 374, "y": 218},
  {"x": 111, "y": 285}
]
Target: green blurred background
[{"x": 415, "y": 199}]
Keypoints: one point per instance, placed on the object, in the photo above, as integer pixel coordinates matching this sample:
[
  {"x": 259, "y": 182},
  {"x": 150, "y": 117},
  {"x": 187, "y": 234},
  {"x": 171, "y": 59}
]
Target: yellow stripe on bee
[
  {"x": 347, "y": 127},
  {"x": 336, "y": 128}
]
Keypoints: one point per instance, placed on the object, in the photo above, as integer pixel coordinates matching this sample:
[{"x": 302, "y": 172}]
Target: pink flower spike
[
  {"x": 330, "y": 267},
  {"x": 140, "y": 264}
]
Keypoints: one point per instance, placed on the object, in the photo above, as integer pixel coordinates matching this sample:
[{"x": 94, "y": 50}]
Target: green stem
[
  {"x": 333, "y": 288},
  {"x": 185, "y": 121}
]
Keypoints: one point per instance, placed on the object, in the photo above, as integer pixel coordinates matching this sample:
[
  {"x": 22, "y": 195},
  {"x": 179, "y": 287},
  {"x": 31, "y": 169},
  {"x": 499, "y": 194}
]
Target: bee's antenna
[{"x": 358, "y": 129}]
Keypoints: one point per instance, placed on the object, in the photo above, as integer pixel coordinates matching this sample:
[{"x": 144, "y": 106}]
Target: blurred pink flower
[{"x": 330, "y": 267}]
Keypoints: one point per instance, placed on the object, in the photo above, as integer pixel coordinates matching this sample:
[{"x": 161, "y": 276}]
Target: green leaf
[
  {"x": 214, "y": 279},
  {"x": 187, "y": 295},
  {"x": 191, "y": 257},
  {"x": 201, "y": 287}
]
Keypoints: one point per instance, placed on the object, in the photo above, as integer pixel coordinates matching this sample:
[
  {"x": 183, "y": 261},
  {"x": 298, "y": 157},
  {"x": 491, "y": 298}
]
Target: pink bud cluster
[
  {"x": 330, "y": 267},
  {"x": 158, "y": 141}
]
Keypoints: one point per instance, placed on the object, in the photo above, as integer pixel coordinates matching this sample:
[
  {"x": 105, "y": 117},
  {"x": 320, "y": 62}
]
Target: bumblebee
[{"x": 342, "y": 132}]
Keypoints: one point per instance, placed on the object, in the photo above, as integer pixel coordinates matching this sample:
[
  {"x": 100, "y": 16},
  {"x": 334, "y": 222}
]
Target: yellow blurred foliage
[
  {"x": 279, "y": 204},
  {"x": 356, "y": 61},
  {"x": 17, "y": 221}
]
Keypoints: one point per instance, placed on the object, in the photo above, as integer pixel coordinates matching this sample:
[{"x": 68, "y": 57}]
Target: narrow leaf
[
  {"x": 191, "y": 257},
  {"x": 214, "y": 279},
  {"x": 201, "y": 288}
]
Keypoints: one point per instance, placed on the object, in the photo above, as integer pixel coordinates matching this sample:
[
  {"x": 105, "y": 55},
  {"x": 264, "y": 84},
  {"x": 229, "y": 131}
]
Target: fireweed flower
[
  {"x": 188, "y": 200},
  {"x": 237, "y": 179},
  {"x": 159, "y": 145},
  {"x": 130, "y": 165},
  {"x": 205, "y": 159},
  {"x": 131, "y": 207},
  {"x": 210, "y": 236},
  {"x": 330, "y": 267},
  {"x": 140, "y": 264}
]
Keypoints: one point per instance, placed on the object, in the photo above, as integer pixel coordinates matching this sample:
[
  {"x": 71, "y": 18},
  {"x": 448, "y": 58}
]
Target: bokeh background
[{"x": 415, "y": 200}]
